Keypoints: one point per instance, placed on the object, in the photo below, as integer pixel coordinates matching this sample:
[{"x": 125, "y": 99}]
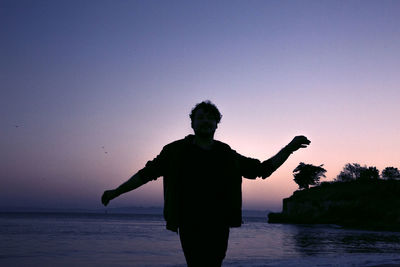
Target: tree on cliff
[
  {"x": 391, "y": 173},
  {"x": 370, "y": 173},
  {"x": 350, "y": 172},
  {"x": 308, "y": 174},
  {"x": 355, "y": 171}
]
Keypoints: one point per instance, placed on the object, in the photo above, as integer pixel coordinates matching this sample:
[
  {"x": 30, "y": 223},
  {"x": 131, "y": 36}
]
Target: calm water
[{"x": 40, "y": 239}]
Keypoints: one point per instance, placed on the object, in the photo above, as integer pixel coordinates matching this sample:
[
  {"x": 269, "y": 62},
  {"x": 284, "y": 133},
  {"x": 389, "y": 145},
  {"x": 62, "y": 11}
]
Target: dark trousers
[{"x": 204, "y": 246}]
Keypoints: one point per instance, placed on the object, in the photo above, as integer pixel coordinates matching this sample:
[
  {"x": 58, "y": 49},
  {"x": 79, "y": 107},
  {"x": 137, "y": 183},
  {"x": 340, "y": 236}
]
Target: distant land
[
  {"x": 368, "y": 204},
  {"x": 117, "y": 210}
]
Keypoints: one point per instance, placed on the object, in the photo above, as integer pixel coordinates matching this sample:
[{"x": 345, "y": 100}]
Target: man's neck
[{"x": 203, "y": 142}]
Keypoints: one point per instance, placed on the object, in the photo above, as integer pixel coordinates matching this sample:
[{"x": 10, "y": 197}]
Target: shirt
[{"x": 202, "y": 186}]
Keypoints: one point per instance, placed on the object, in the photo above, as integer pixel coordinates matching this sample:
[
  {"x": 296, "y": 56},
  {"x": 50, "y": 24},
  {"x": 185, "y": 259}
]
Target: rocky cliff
[{"x": 373, "y": 204}]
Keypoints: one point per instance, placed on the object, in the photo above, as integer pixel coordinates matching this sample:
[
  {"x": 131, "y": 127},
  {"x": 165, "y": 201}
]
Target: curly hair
[{"x": 208, "y": 107}]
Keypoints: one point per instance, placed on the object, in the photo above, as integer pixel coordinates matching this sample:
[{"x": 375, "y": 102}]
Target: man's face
[{"x": 204, "y": 124}]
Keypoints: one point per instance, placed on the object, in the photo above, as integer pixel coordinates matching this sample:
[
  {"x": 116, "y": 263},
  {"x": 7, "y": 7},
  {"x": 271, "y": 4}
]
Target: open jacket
[{"x": 170, "y": 164}]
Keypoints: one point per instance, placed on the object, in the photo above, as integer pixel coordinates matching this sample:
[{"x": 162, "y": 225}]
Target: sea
[{"x": 100, "y": 239}]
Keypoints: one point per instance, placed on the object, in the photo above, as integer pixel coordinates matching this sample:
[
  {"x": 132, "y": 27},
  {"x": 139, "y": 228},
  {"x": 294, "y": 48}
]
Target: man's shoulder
[
  {"x": 187, "y": 140},
  {"x": 179, "y": 143},
  {"x": 222, "y": 145}
]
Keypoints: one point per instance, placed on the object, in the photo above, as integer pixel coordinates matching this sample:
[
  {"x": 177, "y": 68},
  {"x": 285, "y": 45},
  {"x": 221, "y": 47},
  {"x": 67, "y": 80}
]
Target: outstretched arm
[
  {"x": 134, "y": 182},
  {"x": 153, "y": 169},
  {"x": 272, "y": 164}
]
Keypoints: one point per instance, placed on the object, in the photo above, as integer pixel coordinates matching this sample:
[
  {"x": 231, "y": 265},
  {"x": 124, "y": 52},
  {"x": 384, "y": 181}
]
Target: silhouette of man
[{"x": 202, "y": 185}]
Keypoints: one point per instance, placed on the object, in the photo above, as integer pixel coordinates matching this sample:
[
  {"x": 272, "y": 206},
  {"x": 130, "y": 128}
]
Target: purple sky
[{"x": 77, "y": 76}]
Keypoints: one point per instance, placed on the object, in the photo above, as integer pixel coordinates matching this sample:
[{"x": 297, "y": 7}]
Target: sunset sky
[{"x": 92, "y": 90}]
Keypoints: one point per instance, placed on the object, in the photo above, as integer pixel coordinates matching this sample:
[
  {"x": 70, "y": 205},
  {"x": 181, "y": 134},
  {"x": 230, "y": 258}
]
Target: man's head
[{"x": 205, "y": 116}]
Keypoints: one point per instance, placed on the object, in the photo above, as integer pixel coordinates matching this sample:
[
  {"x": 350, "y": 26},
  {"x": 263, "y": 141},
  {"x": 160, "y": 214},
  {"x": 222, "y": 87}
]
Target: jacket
[{"x": 170, "y": 164}]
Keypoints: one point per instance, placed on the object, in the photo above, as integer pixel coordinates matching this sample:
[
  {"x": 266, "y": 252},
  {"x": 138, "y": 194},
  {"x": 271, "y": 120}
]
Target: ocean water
[{"x": 77, "y": 239}]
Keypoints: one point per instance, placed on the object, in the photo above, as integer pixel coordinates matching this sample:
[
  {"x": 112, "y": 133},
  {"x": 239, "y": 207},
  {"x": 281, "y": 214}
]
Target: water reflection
[{"x": 312, "y": 240}]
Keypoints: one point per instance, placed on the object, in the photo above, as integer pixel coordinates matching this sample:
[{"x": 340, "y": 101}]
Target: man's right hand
[{"x": 107, "y": 196}]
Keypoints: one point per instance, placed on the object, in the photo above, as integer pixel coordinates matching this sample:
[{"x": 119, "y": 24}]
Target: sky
[{"x": 92, "y": 90}]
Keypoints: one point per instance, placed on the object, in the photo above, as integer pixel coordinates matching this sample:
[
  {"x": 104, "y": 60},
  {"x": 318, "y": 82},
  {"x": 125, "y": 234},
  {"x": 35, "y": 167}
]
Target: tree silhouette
[
  {"x": 308, "y": 174},
  {"x": 355, "y": 171},
  {"x": 350, "y": 172},
  {"x": 369, "y": 173},
  {"x": 391, "y": 173}
]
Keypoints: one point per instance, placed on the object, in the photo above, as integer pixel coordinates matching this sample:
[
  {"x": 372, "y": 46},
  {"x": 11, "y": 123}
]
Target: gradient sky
[{"x": 77, "y": 76}]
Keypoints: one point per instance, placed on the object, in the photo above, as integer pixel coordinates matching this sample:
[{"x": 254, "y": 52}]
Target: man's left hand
[{"x": 298, "y": 142}]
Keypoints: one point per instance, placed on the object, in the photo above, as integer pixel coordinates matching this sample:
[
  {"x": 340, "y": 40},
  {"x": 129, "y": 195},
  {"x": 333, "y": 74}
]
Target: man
[{"x": 202, "y": 185}]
